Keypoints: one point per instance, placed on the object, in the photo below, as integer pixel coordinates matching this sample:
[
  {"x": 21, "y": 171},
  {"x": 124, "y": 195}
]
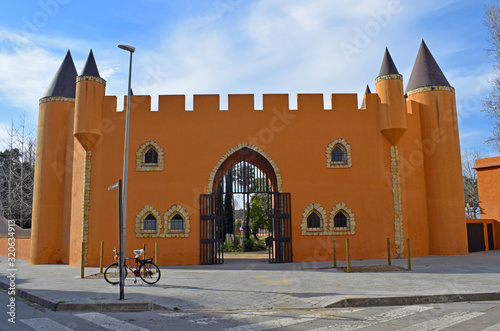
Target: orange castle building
[{"x": 388, "y": 170}]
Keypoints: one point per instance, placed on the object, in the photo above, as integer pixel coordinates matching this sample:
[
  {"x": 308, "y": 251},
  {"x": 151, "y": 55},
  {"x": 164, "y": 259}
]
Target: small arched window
[
  {"x": 177, "y": 223},
  {"x": 151, "y": 156},
  {"x": 340, "y": 220},
  {"x": 313, "y": 221},
  {"x": 149, "y": 223},
  {"x": 339, "y": 155}
]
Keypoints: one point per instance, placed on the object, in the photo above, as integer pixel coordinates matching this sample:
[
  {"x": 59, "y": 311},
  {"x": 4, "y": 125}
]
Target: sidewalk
[{"x": 246, "y": 283}]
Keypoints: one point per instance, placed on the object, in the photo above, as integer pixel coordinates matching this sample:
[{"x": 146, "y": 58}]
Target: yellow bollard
[
  {"x": 348, "y": 256},
  {"x": 388, "y": 251},
  {"x": 408, "y": 253},
  {"x": 144, "y": 251},
  {"x": 334, "y": 253},
  {"x": 156, "y": 253},
  {"x": 82, "y": 275},
  {"x": 102, "y": 257}
]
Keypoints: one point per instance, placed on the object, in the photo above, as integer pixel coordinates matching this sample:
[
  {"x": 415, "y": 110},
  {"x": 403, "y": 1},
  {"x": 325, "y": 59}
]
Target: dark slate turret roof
[
  {"x": 64, "y": 82},
  {"x": 388, "y": 66},
  {"x": 426, "y": 71},
  {"x": 367, "y": 91},
  {"x": 90, "y": 67}
]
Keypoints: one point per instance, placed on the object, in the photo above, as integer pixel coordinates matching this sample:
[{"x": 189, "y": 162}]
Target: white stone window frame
[
  {"x": 140, "y": 162},
  {"x": 336, "y": 164},
  {"x": 314, "y": 207},
  {"x": 139, "y": 222},
  {"x": 351, "y": 222},
  {"x": 167, "y": 217}
]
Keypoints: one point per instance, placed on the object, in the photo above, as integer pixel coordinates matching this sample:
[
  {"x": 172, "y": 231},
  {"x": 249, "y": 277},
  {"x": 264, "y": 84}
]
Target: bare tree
[
  {"x": 491, "y": 105},
  {"x": 469, "y": 175},
  {"x": 17, "y": 172}
]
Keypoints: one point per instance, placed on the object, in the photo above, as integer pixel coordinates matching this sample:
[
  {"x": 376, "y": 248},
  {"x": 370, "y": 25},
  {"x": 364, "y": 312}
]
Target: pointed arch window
[
  {"x": 339, "y": 220},
  {"x": 149, "y": 157},
  {"x": 338, "y": 154},
  {"x": 177, "y": 223},
  {"x": 148, "y": 222},
  {"x": 314, "y": 221},
  {"x": 342, "y": 220}
]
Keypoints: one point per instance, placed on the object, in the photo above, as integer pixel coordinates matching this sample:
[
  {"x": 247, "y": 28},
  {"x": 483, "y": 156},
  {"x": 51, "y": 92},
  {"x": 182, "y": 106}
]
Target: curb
[
  {"x": 414, "y": 300},
  {"x": 91, "y": 307}
]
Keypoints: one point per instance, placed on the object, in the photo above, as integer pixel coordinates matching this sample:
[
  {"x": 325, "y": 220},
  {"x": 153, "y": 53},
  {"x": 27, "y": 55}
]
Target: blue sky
[{"x": 253, "y": 46}]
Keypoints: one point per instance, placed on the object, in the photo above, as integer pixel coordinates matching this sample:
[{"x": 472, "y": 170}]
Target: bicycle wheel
[
  {"x": 149, "y": 273},
  {"x": 112, "y": 274}
]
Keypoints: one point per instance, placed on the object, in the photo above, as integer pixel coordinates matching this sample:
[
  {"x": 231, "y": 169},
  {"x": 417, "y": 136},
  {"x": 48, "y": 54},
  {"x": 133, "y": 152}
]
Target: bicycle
[{"x": 145, "y": 269}]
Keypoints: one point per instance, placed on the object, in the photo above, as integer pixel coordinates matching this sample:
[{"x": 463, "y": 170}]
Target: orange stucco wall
[
  {"x": 430, "y": 195},
  {"x": 488, "y": 177},
  {"x": 21, "y": 248}
]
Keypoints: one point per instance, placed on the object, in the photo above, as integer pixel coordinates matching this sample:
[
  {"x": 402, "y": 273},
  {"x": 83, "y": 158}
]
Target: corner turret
[
  {"x": 90, "y": 90},
  {"x": 54, "y": 159},
  {"x": 429, "y": 90},
  {"x": 392, "y": 111}
]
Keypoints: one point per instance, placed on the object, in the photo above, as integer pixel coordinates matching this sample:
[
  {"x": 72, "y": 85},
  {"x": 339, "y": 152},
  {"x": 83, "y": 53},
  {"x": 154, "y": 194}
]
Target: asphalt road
[{"x": 457, "y": 316}]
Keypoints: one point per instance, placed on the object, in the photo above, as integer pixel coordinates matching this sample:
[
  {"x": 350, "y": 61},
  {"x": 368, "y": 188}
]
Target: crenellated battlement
[{"x": 246, "y": 102}]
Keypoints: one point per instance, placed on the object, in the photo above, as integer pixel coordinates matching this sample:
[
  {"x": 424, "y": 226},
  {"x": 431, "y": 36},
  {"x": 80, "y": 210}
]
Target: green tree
[{"x": 258, "y": 213}]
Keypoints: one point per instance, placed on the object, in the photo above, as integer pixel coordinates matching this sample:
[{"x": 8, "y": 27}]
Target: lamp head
[{"x": 131, "y": 49}]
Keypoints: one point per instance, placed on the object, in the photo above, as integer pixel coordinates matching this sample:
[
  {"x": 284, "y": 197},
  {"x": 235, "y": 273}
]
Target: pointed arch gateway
[{"x": 255, "y": 173}]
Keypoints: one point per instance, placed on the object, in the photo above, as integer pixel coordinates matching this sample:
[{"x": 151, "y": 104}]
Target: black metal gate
[
  {"x": 280, "y": 225},
  {"x": 211, "y": 229},
  {"x": 250, "y": 173}
]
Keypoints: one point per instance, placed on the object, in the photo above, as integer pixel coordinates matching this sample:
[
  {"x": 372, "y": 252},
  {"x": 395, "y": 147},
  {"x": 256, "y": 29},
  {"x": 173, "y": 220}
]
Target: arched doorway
[{"x": 249, "y": 171}]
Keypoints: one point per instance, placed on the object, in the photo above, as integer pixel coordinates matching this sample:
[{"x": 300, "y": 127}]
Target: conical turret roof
[
  {"x": 388, "y": 66},
  {"x": 90, "y": 67},
  {"x": 367, "y": 91},
  {"x": 64, "y": 82},
  {"x": 426, "y": 71}
]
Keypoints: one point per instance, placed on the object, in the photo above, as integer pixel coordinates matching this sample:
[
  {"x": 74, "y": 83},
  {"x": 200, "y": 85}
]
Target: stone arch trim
[
  {"x": 167, "y": 217},
  {"x": 139, "y": 157},
  {"x": 351, "y": 222},
  {"x": 311, "y": 208},
  {"x": 337, "y": 165},
  {"x": 139, "y": 219},
  {"x": 235, "y": 149}
]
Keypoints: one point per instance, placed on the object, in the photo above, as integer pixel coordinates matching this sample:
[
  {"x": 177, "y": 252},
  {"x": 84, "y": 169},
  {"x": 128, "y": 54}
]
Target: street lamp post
[{"x": 123, "y": 218}]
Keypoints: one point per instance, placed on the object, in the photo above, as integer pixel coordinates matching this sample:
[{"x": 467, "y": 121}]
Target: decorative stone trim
[
  {"x": 49, "y": 99},
  {"x": 396, "y": 193},
  {"x": 351, "y": 223},
  {"x": 389, "y": 76},
  {"x": 139, "y": 223},
  {"x": 139, "y": 157},
  {"x": 169, "y": 214},
  {"x": 311, "y": 208},
  {"x": 235, "y": 149},
  {"x": 91, "y": 78},
  {"x": 338, "y": 165},
  {"x": 430, "y": 88},
  {"x": 86, "y": 206}
]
